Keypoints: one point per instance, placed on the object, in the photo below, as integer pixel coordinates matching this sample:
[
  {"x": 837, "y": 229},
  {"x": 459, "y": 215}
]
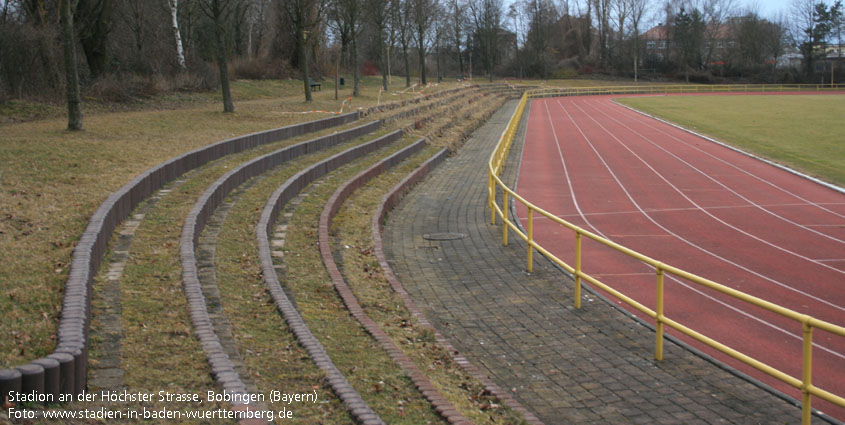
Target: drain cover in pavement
[{"x": 444, "y": 236}]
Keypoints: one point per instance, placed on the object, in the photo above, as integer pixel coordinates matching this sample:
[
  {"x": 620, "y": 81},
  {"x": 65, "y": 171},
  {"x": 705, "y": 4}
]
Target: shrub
[
  {"x": 369, "y": 69},
  {"x": 565, "y": 74}
]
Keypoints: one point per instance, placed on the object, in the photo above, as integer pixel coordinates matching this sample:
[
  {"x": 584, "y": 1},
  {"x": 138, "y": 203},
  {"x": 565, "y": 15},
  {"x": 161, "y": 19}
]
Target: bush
[
  {"x": 260, "y": 69},
  {"x": 565, "y": 74},
  {"x": 30, "y": 62},
  {"x": 369, "y": 69},
  {"x": 124, "y": 88},
  {"x": 586, "y": 70},
  {"x": 249, "y": 69},
  {"x": 701, "y": 77}
]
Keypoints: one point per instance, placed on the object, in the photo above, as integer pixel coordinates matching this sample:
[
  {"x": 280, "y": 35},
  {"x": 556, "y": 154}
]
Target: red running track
[{"x": 704, "y": 208}]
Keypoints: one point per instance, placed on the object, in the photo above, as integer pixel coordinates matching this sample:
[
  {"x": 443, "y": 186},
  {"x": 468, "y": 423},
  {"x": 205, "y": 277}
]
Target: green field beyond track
[{"x": 806, "y": 133}]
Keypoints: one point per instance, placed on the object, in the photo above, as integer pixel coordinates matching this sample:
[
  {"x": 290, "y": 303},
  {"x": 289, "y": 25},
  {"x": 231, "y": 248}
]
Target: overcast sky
[{"x": 767, "y": 7}]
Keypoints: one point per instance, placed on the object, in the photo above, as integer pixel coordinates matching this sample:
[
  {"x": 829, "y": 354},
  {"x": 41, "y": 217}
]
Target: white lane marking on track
[
  {"x": 675, "y": 279},
  {"x": 714, "y": 180},
  {"x": 818, "y": 205},
  {"x": 675, "y": 188},
  {"x": 566, "y": 171}
]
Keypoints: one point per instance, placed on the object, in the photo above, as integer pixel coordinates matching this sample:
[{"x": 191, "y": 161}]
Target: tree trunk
[
  {"x": 249, "y": 37},
  {"x": 421, "y": 50},
  {"x": 74, "y": 113},
  {"x": 303, "y": 64},
  {"x": 384, "y": 67},
  {"x": 174, "y": 25},
  {"x": 222, "y": 61},
  {"x": 439, "y": 74},
  {"x": 407, "y": 66},
  {"x": 356, "y": 71},
  {"x": 94, "y": 36},
  {"x": 336, "y": 75}
]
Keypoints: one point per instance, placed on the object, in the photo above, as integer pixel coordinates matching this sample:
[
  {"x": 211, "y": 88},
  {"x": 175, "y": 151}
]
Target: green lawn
[{"x": 804, "y": 132}]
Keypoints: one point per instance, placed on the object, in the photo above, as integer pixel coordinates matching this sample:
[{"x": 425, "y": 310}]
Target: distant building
[{"x": 657, "y": 42}]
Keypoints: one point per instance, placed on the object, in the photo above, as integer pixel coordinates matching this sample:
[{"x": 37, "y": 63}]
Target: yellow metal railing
[
  {"x": 495, "y": 165},
  {"x": 681, "y": 89}
]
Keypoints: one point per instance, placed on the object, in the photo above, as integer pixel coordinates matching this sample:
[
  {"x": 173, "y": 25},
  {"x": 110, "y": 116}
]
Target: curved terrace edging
[
  {"x": 222, "y": 368},
  {"x": 65, "y": 370},
  {"x": 421, "y": 382},
  {"x": 280, "y": 197}
]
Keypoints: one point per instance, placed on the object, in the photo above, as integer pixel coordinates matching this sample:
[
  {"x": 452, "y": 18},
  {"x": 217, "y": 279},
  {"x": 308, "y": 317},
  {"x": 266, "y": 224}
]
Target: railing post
[
  {"x": 577, "y": 269},
  {"x": 491, "y": 196},
  {"x": 504, "y": 218},
  {"x": 658, "y": 350},
  {"x": 807, "y": 374},
  {"x": 530, "y": 240}
]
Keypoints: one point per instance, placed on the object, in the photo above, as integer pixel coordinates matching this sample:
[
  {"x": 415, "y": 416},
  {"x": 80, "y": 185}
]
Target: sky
[{"x": 767, "y": 8}]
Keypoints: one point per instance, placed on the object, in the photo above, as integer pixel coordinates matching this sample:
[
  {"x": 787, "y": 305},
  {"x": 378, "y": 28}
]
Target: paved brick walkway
[{"x": 593, "y": 365}]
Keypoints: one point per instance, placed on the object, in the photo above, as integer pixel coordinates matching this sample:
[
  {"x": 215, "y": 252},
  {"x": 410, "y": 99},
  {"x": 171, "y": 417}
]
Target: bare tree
[
  {"x": 402, "y": 22},
  {"x": 601, "y": 9},
  {"x": 458, "y": 18},
  {"x": 348, "y": 15},
  {"x": 715, "y": 14},
  {"x": 379, "y": 12},
  {"x": 135, "y": 17},
  {"x": 540, "y": 14},
  {"x": 622, "y": 11},
  {"x": 638, "y": 10},
  {"x": 74, "y": 112},
  {"x": 219, "y": 12},
  {"x": 519, "y": 26},
  {"x": 93, "y": 25},
  {"x": 306, "y": 17},
  {"x": 257, "y": 17},
  {"x": 487, "y": 19},
  {"x": 177, "y": 35},
  {"x": 424, "y": 12},
  {"x": 586, "y": 29}
]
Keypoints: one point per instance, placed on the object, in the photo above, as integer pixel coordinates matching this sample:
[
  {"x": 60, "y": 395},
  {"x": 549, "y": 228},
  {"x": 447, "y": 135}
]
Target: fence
[{"x": 496, "y": 186}]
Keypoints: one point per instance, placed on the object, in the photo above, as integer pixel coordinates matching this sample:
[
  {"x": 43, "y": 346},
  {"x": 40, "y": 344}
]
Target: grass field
[
  {"x": 53, "y": 180},
  {"x": 803, "y": 132}
]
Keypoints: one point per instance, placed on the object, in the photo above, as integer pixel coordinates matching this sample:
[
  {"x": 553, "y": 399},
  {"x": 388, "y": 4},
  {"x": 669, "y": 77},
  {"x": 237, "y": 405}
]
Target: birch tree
[{"x": 177, "y": 36}]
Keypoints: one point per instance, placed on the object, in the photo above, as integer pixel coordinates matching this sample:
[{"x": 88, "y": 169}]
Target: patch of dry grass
[
  {"x": 354, "y": 244},
  {"x": 271, "y": 353},
  {"x": 381, "y": 383},
  {"x": 53, "y": 180}
]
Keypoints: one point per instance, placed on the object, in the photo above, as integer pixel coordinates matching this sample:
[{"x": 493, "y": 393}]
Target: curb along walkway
[{"x": 593, "y": 365}]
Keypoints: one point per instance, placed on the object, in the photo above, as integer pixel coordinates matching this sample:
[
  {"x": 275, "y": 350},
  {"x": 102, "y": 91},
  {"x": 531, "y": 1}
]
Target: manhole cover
[{"x": 444, "y": 236}]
